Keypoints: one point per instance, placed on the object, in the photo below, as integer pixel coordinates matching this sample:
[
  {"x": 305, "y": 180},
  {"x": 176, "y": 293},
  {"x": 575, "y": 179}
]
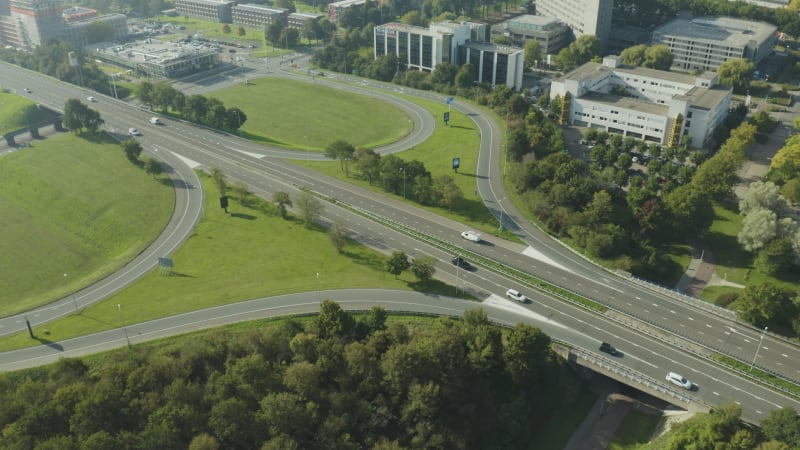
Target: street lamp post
[
  {"x": 761, "y": 341},
  {"x": 124, "y": 328},
  {"x": 74, "y": 302},
  {"x": 319, "y": 294},
  {"x": 403, "y": 169}
]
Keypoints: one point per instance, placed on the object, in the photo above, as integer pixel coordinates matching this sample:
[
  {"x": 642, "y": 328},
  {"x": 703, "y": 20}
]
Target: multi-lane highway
[{"x": 668, "y": 320}]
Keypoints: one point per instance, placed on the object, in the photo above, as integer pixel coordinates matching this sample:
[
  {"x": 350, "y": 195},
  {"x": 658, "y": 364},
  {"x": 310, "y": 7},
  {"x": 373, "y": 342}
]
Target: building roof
[
  {"x": 590, "y": 69},
  {"x": 485, "y": 46},
  {"x": 152, "y": 51},
  {"x": 531, "y": 22},
  {"x": 733, "y": 32},
  {"x": 707, "y": 98},
  {"x": 262, "y": 8},
  {"x": 404, "y": 27},
  {"x": 621, "y": 102},
  {"x": 306, "y": 15},
  {"x": 346, "y": 3}
]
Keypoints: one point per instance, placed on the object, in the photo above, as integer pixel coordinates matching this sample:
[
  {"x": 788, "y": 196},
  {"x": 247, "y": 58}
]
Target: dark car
[
  {"x": 461, "y": 262},
  {"x": 605, "y": 347}
]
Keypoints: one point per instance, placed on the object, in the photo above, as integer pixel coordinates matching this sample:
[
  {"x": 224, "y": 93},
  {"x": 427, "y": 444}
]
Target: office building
[
  {"x": 298, "y": 21},
  {"x": 705, "y": 43},
  {"x": 551, "y": 34},
  {"x": 210, "y": 10},
  {"x": 654, "y": 105},
  {"x": 156, "y": 58},
  {"x": 34, "y": 21},
  {"x": 78, "y": 32},
  {"x": 336, "y": 9},
  {"x": 258, "y": 16},
  {"x": 419, "y": 48},
  {"x": 581, "y": 16},
  {"x": 77, "y": 13}
]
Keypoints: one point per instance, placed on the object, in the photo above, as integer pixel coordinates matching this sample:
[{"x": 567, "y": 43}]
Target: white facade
[
  {"x": 581, "y": 16},
  {"x": 649, "y": 104}
]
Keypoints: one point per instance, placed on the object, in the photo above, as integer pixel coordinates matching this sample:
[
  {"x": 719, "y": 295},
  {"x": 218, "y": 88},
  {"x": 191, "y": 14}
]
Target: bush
[{"x": 726, "y": 298}]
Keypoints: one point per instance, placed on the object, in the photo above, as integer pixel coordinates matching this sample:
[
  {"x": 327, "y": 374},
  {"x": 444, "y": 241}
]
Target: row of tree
[
  {"x": 194, "y": 108},
  {"x": 336, "y": 381},
  {"x": 407, "y": 178}
]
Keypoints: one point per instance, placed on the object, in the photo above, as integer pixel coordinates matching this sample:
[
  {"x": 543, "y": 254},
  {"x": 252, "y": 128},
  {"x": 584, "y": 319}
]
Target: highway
[{"x": 265, "y": 171}]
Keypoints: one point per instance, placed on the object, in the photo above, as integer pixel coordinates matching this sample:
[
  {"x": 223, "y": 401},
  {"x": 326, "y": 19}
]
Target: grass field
[
  {"x": 10, "y": 106},
  {"x": 459, "y": 139},
  {"x": 231, "y": 258},
  {"x": 68, "y": 205},
  {"x": 296, "y": 114}
]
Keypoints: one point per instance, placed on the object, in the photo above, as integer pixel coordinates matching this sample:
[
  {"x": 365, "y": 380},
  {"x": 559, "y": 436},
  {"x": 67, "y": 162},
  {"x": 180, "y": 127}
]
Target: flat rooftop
[
  {"x": 152, "y": 51},
  {"x": 502, "y": 49},
  {"x": 733, "y": 32},
  {"x": 620, "y": 102},
  {"x": 590, "y": 69}
]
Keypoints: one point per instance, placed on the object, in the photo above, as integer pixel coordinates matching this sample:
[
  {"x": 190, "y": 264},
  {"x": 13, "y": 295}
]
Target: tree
[
  {"x": 776, "y": 258},
  {"x": 145, "y": 92},
  {"x": 737, "y": 74},
  {"x": 465, "y": 77},
  {"x": 446, "y": 191},
  {"x": 444, "y": 74},
  {"x": 763, "y": 195},
  {"x": 533, "y": 53},
  {"x": 658, "y": 57},
  {"x": 341, "y": 150},
  {"x": 273, "y": 32},
  {"x": 309, "y": 206},
  {"x": 424, "y": 268},
  {"x": 397, "y": 263},
  {"x": 241, "y": 191},
  {"x": 241, "y": 31},
  {"x": 338, "y": 236},
  {"x": 766, "y": 304},
  {"x": 289, "y": 37},
  {"x": 413, "y": 18},
  {"x": 526, "y": 351},
  {"x": 281, "y": 199},
  {"x": 758, "y": 228},
  {"x": 333, "y": 321},
  {"x": 204, "y": 441},
  {"x": 219, "y": 179},
  {"x": 633, "y": 56},
  {"x": 226, "y": 28},
  {"x": 73, "y": 115},
  {"x": 368, "y": 162},
  {"x": 782, "y": 425},
  {"x": 231, "y": 422},
  {"x": 153, "y": 167},
  {"x": 791, "y": 191},
  {"x": 690, "y": 211},
  {"x": 132, "y": 150}
]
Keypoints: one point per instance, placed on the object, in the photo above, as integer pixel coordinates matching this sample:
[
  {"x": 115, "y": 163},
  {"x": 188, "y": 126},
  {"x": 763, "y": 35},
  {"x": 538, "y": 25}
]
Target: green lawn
[
  {"x": 635, "y": 430},
  {"x": 70, "y": 205},
  {"x": 11, "y": 106},
  {"x": 231, "y": 258},
  {"x": 729, "y": 257},
  {"x": 459, "y": 139},
  {"x": 298, "y": 114}
]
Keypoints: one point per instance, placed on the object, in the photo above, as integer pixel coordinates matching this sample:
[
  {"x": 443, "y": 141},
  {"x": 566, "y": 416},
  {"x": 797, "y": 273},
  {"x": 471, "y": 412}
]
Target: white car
[
  {"x": 679, "y": 380},
  {"x": 28, "y": 90},
  {"x": 155, "y": 121},
  {"x": 134, "y": 132},
  {"x": 516, "y": 295},
  {"x": 471, "y": 236},
  {"x": 91, "y": 99}
]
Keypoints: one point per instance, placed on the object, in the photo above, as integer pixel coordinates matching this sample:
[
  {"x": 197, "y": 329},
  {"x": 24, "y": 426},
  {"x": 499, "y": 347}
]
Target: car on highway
[
  {"x": 461, "y": 262},
  {"x": 28, "y": 90},
  {"x": 134, "y": 132},
  {"x": 516, "y": 295},
  {"x": 680, "y": 380},
  {"x": 605, "y": 347},
  {"x": 471, "y": 236},
  {"x": 91, "y": 99},
  {"x": 155, "y": 121}
]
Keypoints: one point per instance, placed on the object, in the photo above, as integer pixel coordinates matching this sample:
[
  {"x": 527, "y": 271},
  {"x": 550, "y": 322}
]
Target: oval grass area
[
  {"x": 299, "y": 114},
  {"x": 74, "y": 206}
]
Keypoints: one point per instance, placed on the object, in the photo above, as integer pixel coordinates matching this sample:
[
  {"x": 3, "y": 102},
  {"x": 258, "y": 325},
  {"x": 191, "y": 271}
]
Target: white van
[{"x": 155, "y": 121}]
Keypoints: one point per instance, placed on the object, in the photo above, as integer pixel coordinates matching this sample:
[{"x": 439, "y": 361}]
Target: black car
[
  {"x": 605, "y": 347},
  {"x": 461, "y": 262}
]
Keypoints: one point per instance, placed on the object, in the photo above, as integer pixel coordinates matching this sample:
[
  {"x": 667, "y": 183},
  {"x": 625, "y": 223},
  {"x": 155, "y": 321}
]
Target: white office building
[
  {"x": 551, "y": 34},
  {"x": 654, "y": 105},
  {"x": 705, "y": 43},
  {"x": 591, "y": 17}
]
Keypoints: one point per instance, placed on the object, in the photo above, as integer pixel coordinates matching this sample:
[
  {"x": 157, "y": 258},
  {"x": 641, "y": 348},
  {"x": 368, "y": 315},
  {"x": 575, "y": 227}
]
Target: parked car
[
  {"x": 679, "y": 380},
  {"x": 605, "y": 347},
  {"x": 134, "y": 132},
  {"x": 461, "y": 262},
  {"x": 471, "y": 236},
  {"x": 516, "y": 295}
]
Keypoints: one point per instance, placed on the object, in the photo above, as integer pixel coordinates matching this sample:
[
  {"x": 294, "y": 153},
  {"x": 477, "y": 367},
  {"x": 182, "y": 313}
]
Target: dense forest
[{"x": 332, "y": 382}]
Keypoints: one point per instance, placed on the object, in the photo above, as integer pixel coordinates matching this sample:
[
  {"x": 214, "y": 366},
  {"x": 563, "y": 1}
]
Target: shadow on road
[{"x": 49, "y": 343}]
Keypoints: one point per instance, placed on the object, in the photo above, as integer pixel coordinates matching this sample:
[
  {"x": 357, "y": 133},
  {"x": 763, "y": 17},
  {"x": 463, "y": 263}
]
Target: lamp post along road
[
  {"x": 758, "y": 349},
  {"x": 74, "y": 302}
]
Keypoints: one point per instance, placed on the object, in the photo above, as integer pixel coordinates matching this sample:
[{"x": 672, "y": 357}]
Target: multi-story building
[
  {"x": 705, "y": 43},
  {"x": 422, "y": 49},
  {"x": 258, "y": 16},
  {"x": 336, "y": 9},
  {"x": 495, "y": 64},
  {"x": 654, "y": 105},
  {"x": 581, "y": 16},
  {"x": 159, "y": 59},
  {"x": 77, "y": 13},
  {"x": 211, "y": 10},
  {"x": 551, "y": 34},
  {"x": 298, "y": 21},
  {"x": 35, "y": 21},
  {"x": 79, "y": 32}
]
